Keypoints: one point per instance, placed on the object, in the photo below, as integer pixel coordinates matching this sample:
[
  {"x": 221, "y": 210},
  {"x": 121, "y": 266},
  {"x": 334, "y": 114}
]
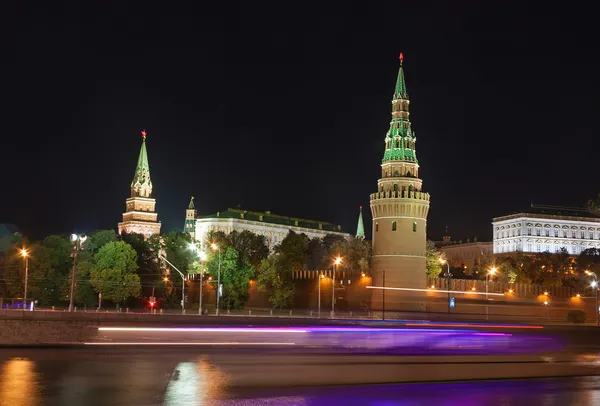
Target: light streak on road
[
  {"x": 204, "y": 329},
  {"x": 185, "y": 343},
  {"x": 437, "y": 291},
  {"x": 472, "y": 325}
]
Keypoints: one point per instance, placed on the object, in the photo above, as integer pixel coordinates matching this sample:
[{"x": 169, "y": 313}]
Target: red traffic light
[{"x": 152, "y": 304}]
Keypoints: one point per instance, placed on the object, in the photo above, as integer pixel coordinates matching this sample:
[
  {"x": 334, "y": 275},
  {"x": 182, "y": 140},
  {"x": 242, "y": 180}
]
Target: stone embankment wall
[{"x": 38, "y": 332}]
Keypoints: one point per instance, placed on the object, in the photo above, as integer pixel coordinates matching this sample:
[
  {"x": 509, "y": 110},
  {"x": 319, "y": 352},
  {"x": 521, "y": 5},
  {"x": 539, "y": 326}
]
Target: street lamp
[
  {"x": 492, "y": 272},
  {"x": 215, "y": 247},
  {"x": 337, "y": 261},
  {"x": 77, "y": 242},
  {"x": 321, "y": 276},
  {"x": 595, "y": 286},
  {"x": 448, "y": 276},
  {"x": 202, "y": 260},
  {"x": 25, "y": 255},
  {"x": 182, "y": 282}
]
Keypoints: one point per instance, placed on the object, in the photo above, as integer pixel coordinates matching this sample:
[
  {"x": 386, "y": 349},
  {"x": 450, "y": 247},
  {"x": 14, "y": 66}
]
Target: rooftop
[
  {"x": 547, "y": 210},
  {"x": 268, "y": 217}
]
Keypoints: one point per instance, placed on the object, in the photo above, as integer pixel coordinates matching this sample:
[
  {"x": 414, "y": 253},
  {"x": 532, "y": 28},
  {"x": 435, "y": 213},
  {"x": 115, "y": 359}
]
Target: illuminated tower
[
  {"x": 140, "y": 216},
  {"x": 190, "y": 219},
  {"x": 399, "y": 209},
  {"x": 360, "y": 228}
]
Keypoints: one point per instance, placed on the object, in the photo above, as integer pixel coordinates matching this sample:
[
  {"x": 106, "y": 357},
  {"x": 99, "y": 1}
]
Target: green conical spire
[
  {"x": 191, "y": 205},
  {"x": 141, "y": 185},
  {"x": 400, "y": 92},
  {"x": 360, "y": 228}
]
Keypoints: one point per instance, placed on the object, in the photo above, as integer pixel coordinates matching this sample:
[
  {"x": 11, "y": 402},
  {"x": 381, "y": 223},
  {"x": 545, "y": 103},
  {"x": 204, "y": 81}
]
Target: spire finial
[
  {"x": 144, "y": 134},
  {"x": 360, "y": 208},
  {"x": 401, "y": 57}
]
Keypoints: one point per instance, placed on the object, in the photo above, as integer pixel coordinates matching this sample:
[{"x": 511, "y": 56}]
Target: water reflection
[
  {"x": 195, "y": 383},
  {"x": 19, "y": 383}
]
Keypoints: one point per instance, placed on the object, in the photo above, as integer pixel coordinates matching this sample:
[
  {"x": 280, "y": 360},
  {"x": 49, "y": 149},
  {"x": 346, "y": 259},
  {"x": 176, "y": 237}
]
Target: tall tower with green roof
[
  {"x": 360, "y": 228},
  {"x": 399, "y": 209},
  {"x": 190, "y": 219},
  {"x": 140, "y": 216}
]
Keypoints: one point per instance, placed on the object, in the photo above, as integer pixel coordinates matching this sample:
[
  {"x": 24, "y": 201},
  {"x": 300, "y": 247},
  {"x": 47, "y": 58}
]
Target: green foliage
[
  {"x": 355, "y": 254},
  {"x": 251, "y": 246},
  {"x": 113, "y": 273},
  {"x": 50, "y": 268},
  {"x": 177, "y": 249},
  {"x": 98, "y": 238},
  {"x": 294, "y": 251},
  {"x": 276, "y": 280},
  {"x": 236, "y": 272},
  {"x": 432, "y": 260},
  {"x": 576, "y": 316}
]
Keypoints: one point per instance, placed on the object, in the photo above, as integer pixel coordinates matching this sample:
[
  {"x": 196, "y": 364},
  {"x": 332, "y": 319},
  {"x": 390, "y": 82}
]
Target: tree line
[{"x": 127, "y": 269}]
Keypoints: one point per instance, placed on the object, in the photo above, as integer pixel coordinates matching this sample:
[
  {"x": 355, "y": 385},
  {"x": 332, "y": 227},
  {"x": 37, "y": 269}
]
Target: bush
[{"x": 576, "y": 316}]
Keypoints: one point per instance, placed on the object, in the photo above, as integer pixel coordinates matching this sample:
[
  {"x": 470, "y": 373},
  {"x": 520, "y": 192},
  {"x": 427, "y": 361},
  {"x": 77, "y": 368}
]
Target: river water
[{"x": 163, "y": 377}]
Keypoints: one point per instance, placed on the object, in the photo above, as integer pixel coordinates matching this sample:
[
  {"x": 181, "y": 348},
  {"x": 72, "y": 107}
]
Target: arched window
[
  {"x": 393, "y": 226},
  {"x": 376, "y": 227},
  {"x": 395, "y": 187},
  {"x": 414, "y": 226}
]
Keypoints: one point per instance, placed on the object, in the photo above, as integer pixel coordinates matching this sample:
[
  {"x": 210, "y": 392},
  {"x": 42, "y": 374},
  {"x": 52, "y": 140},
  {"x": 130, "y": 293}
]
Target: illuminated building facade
[
  {"x": 399, "y": 209},
  {"x": 274, "y": 227},
  {"x": 547, "y": 229},
  {"x": 140, "y": 216}
]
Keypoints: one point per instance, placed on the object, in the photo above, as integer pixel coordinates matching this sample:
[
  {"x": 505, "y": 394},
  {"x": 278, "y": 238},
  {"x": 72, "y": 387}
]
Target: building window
[
  {"x": 414, "y": 226},
  {"x": 528, "y": 230},
  {"x": 395, "y": 187},
  {"x": 547, "y": 232},
  {"x": 393, "y": 226},
  {"x": 573, "y": 234},
  {"x": 529, "y": 248},
  {"x": 538, "y": 232},
  {"x": 538, "y": 247},
  {"x": 376, "y": 226},
  {"x": 547, "y": 247},
  {"x": 556, "y": 233}
]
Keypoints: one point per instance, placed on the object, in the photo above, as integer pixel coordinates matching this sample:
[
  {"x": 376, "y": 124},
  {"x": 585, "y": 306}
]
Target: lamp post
[
  {"x": 492, "y": 271},
  {"x": 216, "y": 248},
  {"x": 337, "y": 261},
  {"x": 202, "y": 259},
  {"x": 448, "y": 276},
  {"x": 595, "y": 286},
  {"x": 182, "y": 282},
  {"x": 25, "y": 255},
  {"x": 77, "y": 242},
  {"x": 321, "y": 276}
]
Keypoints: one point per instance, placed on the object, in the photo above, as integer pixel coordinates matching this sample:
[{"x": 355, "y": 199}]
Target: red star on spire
[
  {"x": 361, "y": 207},
  {"x": 401, "y": 57},
  {"x": 143, "y": 134}
]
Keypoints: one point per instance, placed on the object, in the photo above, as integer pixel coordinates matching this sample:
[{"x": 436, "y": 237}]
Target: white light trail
[
  {"x": 437, "y": 290},
  {"x": 184, "y": 343},
  {"x": 203, "y": 330}
]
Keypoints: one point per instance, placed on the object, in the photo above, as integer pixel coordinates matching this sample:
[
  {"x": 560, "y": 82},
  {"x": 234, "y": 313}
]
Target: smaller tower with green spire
[
  {"x": 360, "y": 228},
  {"x": 140, "y": 216},
  {"x": 190, "y": 219}
]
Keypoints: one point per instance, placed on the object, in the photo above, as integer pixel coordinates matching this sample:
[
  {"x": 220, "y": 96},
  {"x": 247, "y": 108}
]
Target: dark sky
[{"x": 284, "y": 107}]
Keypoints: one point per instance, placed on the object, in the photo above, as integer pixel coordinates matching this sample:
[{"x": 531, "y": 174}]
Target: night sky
[{"x": 285, "y": 106}]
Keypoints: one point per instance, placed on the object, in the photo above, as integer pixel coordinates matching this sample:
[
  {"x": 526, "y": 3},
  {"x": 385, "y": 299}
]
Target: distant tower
[
  {"x": 140, "y": 216},
  {"x": 399, "y": 209},
  {"x": 190, "y": 219},
  {"x": 360, "y": 228}
]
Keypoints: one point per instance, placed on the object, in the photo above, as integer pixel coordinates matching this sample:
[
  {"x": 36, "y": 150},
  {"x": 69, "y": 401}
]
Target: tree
[
  {"x": 50, "y": 269},
  {"x": 276, "y": 281},
  {"x": 98, "y": 238},
  {"x": 113, "y": 273},
  {"x": 294, "y": 251},
  {"x": 433, "y": 266},
  {"x": 315, "y": 255},
  {"x": 236, "y": 273},
  {"x": 177, "y": 248},
  {"x": 355, "y": 254},
  {"x": 251, "y": 246}
]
